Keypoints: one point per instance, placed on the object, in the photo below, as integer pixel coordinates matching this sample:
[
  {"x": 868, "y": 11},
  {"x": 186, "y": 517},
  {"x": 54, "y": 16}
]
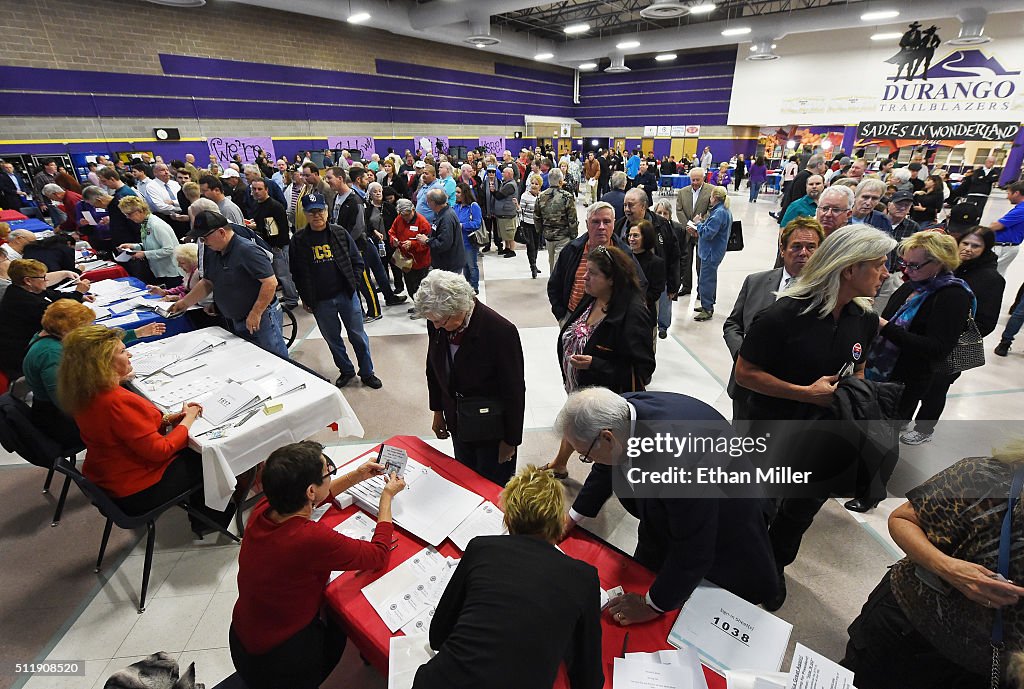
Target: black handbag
[
  {"x": 479, "y": 419},
  {"x": 735, "y": 236},
  {"x": 968, "y": 353}
]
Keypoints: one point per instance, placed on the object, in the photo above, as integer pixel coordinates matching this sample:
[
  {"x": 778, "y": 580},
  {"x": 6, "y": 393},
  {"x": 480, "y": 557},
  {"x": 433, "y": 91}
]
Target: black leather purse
[{"x": 735, "y": 236}]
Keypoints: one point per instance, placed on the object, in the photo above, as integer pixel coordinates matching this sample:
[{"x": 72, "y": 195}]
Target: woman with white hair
[
  {"x": 186, "y": 256},
  {"x": 475, "y": 375},
  {"x": 712, "y": 235},
  {"x": 791, "y": 359},
  {"x": 157, "y": 244}
]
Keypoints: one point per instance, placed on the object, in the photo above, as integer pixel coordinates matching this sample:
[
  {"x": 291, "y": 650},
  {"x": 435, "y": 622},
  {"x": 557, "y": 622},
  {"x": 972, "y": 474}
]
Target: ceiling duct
[
  {"x": 480, "y": 33},
  {"x": 972, "y": 29},
  {"x": 179, "y": 3},
  {"x": 618, "y": 64},
  {"x": 762, "y": 51},
  {"x": 664, "y": 9}
]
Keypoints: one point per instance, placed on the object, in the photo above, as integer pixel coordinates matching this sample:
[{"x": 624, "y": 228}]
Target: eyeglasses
[
  {"x": 827, "y": 210},
  {"x": 914, "y": 266},
  {"x": 36, "y": 277},
  {"x": 331, "y": 468},
  {"x": 585, "y": 457}
]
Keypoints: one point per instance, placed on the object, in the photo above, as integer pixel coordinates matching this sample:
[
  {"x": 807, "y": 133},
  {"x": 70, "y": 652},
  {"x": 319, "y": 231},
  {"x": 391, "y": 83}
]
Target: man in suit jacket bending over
[
  {"x": 685, "y": 540},
  {"x": 691, "y": 201},
  {"x": 797, "y": 242}
]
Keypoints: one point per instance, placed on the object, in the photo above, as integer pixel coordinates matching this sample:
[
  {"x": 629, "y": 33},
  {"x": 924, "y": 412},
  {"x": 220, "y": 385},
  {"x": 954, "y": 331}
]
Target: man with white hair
[
  {"x": 616, "y": 193},
  {"x": 278, "y": 178},
  {"x": 161, "y": 193},
  {"x": 867, "y": 195},
  {"x": 447, "y": 250},
  {"x": 685, "y": 539},
  {"x": 691, "y": 201},
  {"x": 68, "y": 200},
  {"x": 636, "y": 211},
  {"x": 554, "y": 217},
  {"x": 835, "y": 208},
  {"x": 16, "y": 243}
]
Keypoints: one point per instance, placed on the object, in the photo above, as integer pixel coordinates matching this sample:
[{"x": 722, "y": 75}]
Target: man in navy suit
[
  {"x": 800, "y": 237},
  {"x": 685, "y": 540}
]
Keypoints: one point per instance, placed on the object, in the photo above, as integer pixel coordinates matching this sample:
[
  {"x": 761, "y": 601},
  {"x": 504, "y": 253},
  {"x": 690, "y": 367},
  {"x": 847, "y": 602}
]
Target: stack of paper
[
  {"x": 810, "y": 670},
  {"x": 485, "y": 520},
  {"x": 230, "y": 401},
  {"x": 729, "y": 632},
  {"x": 641, "y": 671},
  {"x": 684, "y": 660},
  {"x": 411, "y": 588},
  {"x": 172, "y": 396},
  {"x": 358, "y": 526},
  {"x": 405, "y": 657}
]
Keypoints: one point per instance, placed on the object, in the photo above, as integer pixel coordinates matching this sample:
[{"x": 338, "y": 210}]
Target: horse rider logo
[{"x": 916, "y": 51}]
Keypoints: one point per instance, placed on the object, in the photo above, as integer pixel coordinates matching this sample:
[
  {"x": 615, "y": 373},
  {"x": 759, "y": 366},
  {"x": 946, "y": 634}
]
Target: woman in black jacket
[
  {"x": 642, "y": 241},
  {"x": 928, "y": 201},
  {"x": 978, "y": 269},
  {"x": 607, "y": 341}
]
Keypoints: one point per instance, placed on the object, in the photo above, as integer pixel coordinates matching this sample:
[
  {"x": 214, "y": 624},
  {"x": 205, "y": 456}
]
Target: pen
[{"x": 625, "y": 644}]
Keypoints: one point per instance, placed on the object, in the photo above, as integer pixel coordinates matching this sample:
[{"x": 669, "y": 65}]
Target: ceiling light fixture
[
  {"x": 573, "y": 29},
  {"x": 738, "y": 31},
  {"x": 359, "y": 18},
  {"x": 886, "y": 36},
  {"x": 543, "y": 56},
  {"x": 588, "y": 65},
  {"x": 880, "y": 14},
  {"x": 705, "y": 8},
  {"x": 665, "y": 57},
  {"x": 626, "y": 45}
]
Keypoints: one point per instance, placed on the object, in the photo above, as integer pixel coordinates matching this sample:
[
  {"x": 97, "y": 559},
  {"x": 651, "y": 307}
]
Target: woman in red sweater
[
  {"x": 136, "y": 454},
  {"x": 402, "y": 236},
  {"x": 280, "y": 638}
]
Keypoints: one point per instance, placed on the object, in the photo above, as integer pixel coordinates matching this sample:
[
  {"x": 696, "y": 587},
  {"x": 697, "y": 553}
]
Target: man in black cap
[
  {"x": 327, "y": 266},
  {"x": 240, "y": 274},
  {"x": 897, "y": 212}
]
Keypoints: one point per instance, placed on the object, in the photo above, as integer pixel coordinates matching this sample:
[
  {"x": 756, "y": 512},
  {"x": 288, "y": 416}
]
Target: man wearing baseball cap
[
  {"x": 327, "y": 267},
  {"x": 241, "y": 276},
  {"x": 236, "y": 189}
]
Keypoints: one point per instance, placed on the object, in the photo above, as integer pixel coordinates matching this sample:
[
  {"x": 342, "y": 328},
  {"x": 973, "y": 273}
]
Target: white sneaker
[{"x": 915, "y": 438}]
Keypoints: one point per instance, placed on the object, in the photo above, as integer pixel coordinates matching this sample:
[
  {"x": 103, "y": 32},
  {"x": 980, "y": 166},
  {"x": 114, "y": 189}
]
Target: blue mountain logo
[{"x": 966, "y": 64}]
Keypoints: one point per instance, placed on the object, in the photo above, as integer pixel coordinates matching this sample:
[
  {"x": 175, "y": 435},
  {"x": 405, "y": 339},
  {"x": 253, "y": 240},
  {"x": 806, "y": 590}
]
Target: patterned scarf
[{"x": 883, "y": 353}]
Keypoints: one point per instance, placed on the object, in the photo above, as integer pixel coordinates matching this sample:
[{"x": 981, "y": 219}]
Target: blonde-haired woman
[
  {"x": 549, "y": 612},
  {"x": 712, "y": 235},
  {"x": 527, "y": 202},
  {"x": 43, "y": 359},
  {"x": 929, "y": 622},
  {"x": 157, "y": 245},
  {"x": 136, "y": 454}
]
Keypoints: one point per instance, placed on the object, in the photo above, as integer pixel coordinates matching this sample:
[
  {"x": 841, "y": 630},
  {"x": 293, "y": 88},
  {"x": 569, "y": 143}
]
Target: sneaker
[
  {"x": 915, "y": 438},
  {"x": 411, "y": 310},
  {"x": 662, "y": 334},
  {"x": 703, "y": 316},
  {"x": 372, "y": 381},
  {"x": 395, "y": 300},
  {"x": 485, "y": 249},
  {"x": 344, "y": 379},
  {"x": 1003, "y": 348},
  {"x": 698, "y": 309},
  {"x": 371, "y": 319},
  {"x": 509, "y": 254}
]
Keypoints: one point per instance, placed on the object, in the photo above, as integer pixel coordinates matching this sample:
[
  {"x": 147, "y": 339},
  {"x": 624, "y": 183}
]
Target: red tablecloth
[
  {"x": 371, "y": 636},
  {"x": 108, "y": 273},
  {"x": 8, "y": 216}
]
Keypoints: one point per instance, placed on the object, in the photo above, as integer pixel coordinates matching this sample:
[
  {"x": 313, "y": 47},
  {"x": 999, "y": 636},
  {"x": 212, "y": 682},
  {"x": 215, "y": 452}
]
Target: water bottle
[{"x": 381, "y": 250}]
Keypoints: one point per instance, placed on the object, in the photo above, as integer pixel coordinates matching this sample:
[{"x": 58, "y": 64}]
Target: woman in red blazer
[
  {"x": 402, "y": 236},
  {"x": 136, "y": 454}
]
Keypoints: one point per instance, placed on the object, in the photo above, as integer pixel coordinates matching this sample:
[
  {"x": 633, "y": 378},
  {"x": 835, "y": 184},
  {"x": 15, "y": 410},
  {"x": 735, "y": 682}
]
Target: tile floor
[{"x": 193, "y": 587}]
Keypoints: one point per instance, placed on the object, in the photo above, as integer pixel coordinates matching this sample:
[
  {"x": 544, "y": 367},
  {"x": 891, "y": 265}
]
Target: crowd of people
[{"x": 870, "y": 296}]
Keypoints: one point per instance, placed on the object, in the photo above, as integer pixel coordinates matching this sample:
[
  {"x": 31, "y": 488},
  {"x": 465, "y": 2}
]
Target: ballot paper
[
  {"x": 729, "y": 632},
  {"x": 148, "y": 362},
  {"x": 171, "y": 396},
  {"x": 358, "y": 526},
  {"x": 123, "y": 256},
  {"x": 485, "y": 520},
  {"x": 120, "y": 320},
  {"x": 411, "y": 588},
  {"x": 642, "y": 673},
  {"x": 99, "y": 311},
  {"x": 430, "y": 507},
  {"x": 183, "y": 366},
  {"x": 89, "y": 220},
  {"x": 744, "y": 679},
  {"x": 810, "y": 670},
  {"x": 683, "y": 657},
  {"x": 128, "y": 304},
  {"x": 406, "y": 655},
  {"x": 230, "y": 401},
  {"x": 394, "y": 460},
  {"x": 279, "y": 382},
  {"x": 421, "y": 623}
]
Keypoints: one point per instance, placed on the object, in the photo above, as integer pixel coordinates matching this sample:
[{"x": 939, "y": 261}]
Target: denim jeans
[
  {"x": 268, "y": 336},
  {"x": 1013, "y": 325},
  {"x": 284, "y": 275},
  {"x": 754, "y": 190},
  {"x": 707, "y": 284},
  {"x": 330, "y": 314},
  {"x": 664, "y": 311},
  {"x": 471, "y": 270}
]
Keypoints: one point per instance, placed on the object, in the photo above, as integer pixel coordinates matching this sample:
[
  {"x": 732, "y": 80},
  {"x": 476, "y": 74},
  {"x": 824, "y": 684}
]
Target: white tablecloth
[{"x": 305, "y": 411}]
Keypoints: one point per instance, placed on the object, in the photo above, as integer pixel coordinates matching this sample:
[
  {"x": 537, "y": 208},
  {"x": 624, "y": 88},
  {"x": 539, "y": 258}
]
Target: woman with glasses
[
  {"x": 919, "y": 326},
  {"x": 281, "y": 633},
  {"x": 476, "y": 377},
  {"x": 22, "y": 308},
  {"x": 607, "y": 341},
  {"x": 502, "y": 631}
]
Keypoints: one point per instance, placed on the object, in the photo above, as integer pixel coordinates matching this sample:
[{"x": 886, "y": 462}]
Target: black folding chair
[
  {"x": 19, "y": 435},
  {"x": 115, "y": 515}
]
